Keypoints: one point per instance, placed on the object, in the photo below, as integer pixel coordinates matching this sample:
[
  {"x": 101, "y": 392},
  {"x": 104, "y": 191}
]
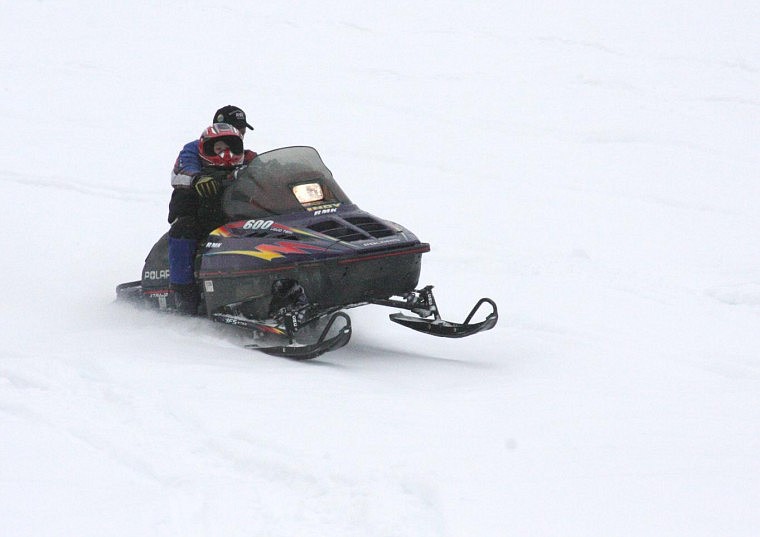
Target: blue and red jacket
[{"x": 187, "y": 166}]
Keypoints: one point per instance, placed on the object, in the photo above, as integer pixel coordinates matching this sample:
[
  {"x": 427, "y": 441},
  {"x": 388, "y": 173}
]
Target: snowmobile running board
[{"x": 422, "y": 302}]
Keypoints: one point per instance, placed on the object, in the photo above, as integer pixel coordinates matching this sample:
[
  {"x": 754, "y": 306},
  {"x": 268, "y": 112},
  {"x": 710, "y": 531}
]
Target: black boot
[
  {"x": 186, "y": 298},
  {"x": 287, "y": 295}
]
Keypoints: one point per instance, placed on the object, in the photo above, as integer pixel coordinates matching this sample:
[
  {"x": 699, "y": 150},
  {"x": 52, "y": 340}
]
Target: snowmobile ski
[
  {"x": 429, "y": 321},
  {"x": 290, "y": 340},
  {"x": 439, "y": 327}
]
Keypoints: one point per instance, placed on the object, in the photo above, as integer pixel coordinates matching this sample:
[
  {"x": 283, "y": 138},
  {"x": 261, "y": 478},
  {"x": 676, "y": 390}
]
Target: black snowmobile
[{"x": 295, "y": 253}]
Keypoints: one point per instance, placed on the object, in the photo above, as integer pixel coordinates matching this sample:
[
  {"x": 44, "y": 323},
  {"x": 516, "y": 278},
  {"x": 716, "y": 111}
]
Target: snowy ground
[{"x": 594, "y": 169}]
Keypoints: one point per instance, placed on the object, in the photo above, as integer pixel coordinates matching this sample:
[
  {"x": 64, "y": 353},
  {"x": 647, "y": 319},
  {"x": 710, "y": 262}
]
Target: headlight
[{"x": 308, "y": 192}]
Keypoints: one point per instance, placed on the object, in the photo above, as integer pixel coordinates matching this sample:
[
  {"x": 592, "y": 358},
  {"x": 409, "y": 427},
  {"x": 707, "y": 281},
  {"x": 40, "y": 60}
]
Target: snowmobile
[{"x": 294, "y": 254}]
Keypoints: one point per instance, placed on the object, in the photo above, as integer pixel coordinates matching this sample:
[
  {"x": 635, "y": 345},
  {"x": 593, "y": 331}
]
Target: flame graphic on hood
[
  {"x": 230, "y": 230},
  {"x": 273, "y": 251}
]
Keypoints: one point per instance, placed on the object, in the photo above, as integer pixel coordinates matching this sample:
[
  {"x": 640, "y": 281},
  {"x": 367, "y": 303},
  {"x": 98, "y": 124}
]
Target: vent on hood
[
  {"x": 353, "y": 228},
  {"x": 371, "y": 226}
]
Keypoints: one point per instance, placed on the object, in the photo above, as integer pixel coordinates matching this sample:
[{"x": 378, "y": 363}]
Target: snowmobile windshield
[{"x": 287, "y": 180}]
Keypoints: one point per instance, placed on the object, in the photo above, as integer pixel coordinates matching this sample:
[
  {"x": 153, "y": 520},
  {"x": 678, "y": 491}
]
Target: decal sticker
[
  {"x": 274, "y": 251},
  {"x": 258, "y": 224},
  {"x": 325, "y": 211},
  {"x": 223, "y": 231},
  {"x": 327, "y": 208},
  {"x": 235, "y": 228},
  {"x": 381, "y": 242},
  {"x": 156, "y": 274}
]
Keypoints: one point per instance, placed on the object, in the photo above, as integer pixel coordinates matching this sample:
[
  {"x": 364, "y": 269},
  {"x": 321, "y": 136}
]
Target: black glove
[
  {"x": 207, "y": 186},
  {"x": 211, "y": 182}
]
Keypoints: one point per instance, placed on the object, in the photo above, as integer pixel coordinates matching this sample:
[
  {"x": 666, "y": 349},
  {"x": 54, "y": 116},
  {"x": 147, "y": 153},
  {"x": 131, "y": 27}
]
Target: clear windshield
[{"x": 274, "y": 181}]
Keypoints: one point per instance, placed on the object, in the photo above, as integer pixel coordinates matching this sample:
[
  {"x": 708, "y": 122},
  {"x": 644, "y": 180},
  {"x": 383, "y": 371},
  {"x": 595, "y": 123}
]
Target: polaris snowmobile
[{"x": 294, "y": 254}]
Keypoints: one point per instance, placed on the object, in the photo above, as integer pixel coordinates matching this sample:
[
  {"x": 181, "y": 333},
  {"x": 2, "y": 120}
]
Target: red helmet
[{"x": 221, "y": 145}]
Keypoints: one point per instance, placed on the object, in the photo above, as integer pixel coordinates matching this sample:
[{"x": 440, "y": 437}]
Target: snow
[{"x": 591, "y": 166}]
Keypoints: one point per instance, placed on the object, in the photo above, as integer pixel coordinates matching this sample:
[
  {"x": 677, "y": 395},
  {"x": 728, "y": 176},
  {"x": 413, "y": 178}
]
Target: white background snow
[{"x": 591, "y": 166}]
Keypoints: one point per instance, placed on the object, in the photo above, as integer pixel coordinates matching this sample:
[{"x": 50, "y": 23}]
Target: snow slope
[{"x": 591, "y": 166}]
